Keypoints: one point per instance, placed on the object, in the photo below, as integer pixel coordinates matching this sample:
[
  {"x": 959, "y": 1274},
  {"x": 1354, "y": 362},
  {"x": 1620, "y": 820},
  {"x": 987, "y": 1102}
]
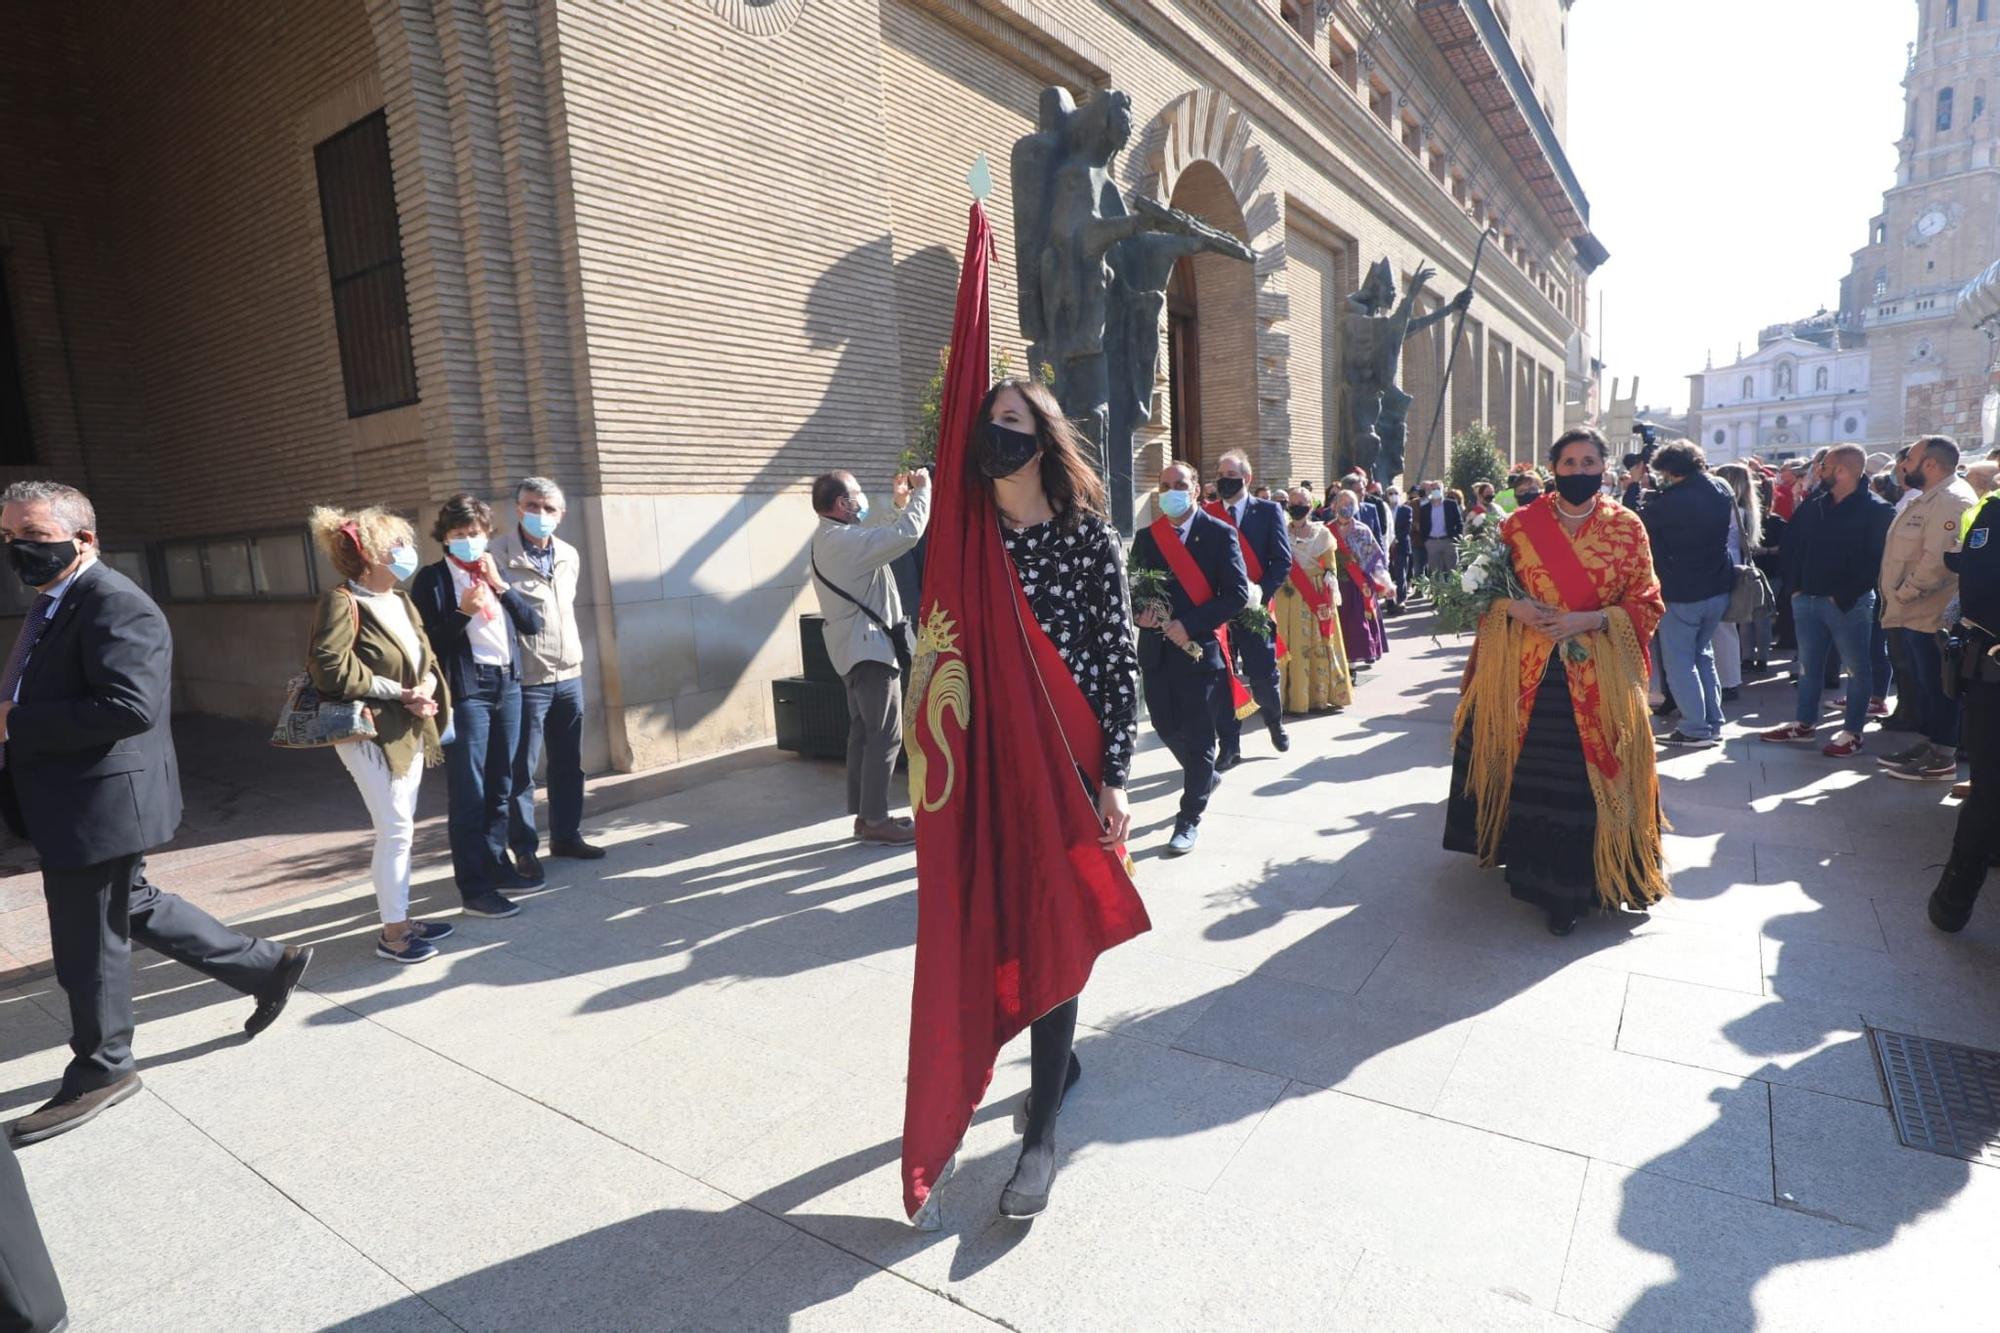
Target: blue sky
[{"x": 1733, "y": 152}]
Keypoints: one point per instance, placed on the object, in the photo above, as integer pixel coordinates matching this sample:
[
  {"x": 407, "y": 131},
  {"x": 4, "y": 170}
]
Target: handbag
[
  {"x": 1750, "y": 597},
  {"x": 309, "y": 721},
  {"x": 899, "y": 633}
]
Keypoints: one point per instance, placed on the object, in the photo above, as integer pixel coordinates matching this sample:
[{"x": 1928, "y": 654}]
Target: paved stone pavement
[{"x": 1345, "y": 1081}]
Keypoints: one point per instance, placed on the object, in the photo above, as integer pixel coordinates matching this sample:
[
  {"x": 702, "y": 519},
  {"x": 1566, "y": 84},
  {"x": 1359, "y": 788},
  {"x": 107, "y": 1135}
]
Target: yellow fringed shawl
[{"x": 1607, "y": 688}]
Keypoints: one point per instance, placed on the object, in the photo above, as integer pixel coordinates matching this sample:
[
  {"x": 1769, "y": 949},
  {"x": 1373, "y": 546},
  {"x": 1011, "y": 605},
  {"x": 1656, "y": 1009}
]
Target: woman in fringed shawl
[
  {"x": 1364, "y": 577},
  {"x": 1313, "y": 677},
  {"x": 1552, "y": 765}
]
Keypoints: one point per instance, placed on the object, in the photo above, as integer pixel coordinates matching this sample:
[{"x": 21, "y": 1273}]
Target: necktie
[{"x": 17, "y": 660}]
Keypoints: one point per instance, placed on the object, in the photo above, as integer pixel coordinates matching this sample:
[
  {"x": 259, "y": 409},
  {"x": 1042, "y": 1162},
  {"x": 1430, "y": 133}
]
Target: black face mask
[
  {"x": 40, "y": 563},
  {"x": 1576, "y": 487},
  {"x": 1003, "y": 452},
  {"x": 1526, "y": 497},
  {"x": 1229, "y": 487},
  {"x": 1299, "y": 512}
]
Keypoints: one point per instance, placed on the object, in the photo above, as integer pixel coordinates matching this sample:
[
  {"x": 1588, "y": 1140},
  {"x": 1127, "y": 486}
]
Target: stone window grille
[
  {"x": 1943, "y": 109},
  {"x": 364, "y": 261}
]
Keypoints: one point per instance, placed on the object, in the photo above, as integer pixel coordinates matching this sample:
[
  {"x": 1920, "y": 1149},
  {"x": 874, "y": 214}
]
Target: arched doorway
[
  {"x": 1212, "y": 331},
  {"x": 1183, "y": 356}
]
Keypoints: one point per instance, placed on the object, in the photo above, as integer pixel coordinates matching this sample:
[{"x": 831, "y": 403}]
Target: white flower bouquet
[{"x": 1484, "y": 575}]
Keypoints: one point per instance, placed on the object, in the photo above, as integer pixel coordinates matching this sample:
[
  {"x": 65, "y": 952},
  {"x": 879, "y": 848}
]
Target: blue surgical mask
[
  {"x": 402, "y": 561},
  {"x": 467, "y": 549},
  {"x": 860, "y": 509},
  {"x": 1175, "y": 504},
  {"x": 539, "y": 526}
]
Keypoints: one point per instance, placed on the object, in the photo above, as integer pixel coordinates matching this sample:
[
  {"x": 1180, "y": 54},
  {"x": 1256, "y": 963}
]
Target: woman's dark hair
[
  {"x": 1682, "y": 458},
  {"x": 463, "y": 510},
  {"x": 1579, "y": 435},
  {"x": 1073, "y": 487}
]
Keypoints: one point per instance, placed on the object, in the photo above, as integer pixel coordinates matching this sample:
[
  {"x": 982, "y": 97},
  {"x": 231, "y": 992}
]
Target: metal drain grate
[{"x": 1946, "y": 1098}]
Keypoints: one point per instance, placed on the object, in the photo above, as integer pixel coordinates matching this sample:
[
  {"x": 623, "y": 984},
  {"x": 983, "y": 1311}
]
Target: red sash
[
  {"x": 1196, "y": 585},
  {"x": 1317, "y": 598},
  {"x": 1572, "y": 580},
  {"x": 1251, "y": 566},
  {"x": 1355, "y": 575}
]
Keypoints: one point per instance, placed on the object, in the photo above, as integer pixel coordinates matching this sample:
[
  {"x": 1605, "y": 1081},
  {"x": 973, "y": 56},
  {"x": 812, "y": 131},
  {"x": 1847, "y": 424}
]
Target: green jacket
[{"x": 350, "y": 648}]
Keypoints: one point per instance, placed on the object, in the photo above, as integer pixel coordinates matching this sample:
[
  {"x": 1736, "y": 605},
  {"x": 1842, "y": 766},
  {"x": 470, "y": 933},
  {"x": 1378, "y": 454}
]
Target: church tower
[{"x": 1939, "y": 228}]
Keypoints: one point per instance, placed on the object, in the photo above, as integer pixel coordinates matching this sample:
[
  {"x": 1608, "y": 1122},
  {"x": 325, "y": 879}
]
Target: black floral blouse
[{"x": 1075, "y": 583}]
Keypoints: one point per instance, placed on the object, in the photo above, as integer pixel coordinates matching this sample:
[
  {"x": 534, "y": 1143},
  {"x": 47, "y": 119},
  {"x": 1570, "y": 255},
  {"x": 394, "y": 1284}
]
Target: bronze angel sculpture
[
  {"x": 1371, "y": 356},
  {"x": 1093, "y": 274}
]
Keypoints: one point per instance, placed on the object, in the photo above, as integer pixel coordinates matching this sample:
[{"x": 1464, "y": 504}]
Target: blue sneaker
[
  {"x": 489, "y": 904},
  {"x": 415, "y": 949},
  {"x": 1184, "y": 839},
  {"x": 431, "y": 931}
]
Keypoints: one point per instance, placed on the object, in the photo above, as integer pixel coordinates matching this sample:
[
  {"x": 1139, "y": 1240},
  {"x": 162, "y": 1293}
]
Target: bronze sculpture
[
  {"x": 1371, "y": 359},
  {"x": 1093, "y": 274}
]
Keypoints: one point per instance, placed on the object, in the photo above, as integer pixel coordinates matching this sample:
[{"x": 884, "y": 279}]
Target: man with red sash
[
  {"x": 1187, "y": 692},
  {"x": 1267, "y": 559}
]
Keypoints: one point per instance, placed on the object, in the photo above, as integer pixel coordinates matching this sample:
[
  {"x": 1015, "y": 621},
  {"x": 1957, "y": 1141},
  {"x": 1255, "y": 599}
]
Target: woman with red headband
[{"x": 368, "y": 644}]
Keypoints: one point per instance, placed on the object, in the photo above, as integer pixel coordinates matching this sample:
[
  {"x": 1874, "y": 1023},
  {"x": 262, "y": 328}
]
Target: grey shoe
[
  {"x": 1915, "y": 752},
  {"x": 1935, "y": 764}
]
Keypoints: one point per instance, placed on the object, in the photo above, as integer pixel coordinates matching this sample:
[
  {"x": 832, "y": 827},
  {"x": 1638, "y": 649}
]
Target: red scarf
[
  {"x": 1195, "y": 584},
  {"x": 487, "y": 610},
  {"x": 1016, "y": 894}
]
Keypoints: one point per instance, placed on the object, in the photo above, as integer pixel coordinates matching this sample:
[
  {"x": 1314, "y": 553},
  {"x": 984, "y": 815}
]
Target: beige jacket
[
  {"x": 557, "y": 652},
  {"x": 1916, "y": 587}
]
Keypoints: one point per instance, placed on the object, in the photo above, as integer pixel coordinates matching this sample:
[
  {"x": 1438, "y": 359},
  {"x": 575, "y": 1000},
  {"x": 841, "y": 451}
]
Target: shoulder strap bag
[
  {"x": 308, "y": 721},
  {"x": 899, "y": 633}
]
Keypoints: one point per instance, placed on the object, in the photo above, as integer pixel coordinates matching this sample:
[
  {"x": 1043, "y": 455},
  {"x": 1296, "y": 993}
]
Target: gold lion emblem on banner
[{"x": 939, "y": 684}]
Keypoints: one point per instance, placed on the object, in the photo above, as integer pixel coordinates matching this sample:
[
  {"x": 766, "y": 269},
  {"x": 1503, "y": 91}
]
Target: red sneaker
[
  {"x": 1791, "y": 731},
  {"x": 1843, "y": 744},
  {"x": 1878, "y": 708}
]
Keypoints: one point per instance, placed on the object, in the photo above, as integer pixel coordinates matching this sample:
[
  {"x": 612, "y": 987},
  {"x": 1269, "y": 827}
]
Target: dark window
[
  {"x": 1852, "y": 425},
  {"x": 1982, "y": 11},
  {"x": 1944, "y": 109},
  {"x": 1951, "y": 13},
  {"x": 17, "y": 441},
  {"x": 1720, "y": 437},
  {"x": 364, "y": 260}
]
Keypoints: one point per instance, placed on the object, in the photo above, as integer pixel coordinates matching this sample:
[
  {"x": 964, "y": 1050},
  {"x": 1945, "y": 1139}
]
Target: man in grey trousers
[{"x": 857, "y": 595}]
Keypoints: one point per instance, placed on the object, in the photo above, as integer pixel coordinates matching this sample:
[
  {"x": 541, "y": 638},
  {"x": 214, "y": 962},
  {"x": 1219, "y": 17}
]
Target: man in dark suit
[
  {"x": 88, "y": 775},
  {"x": 1438, "y": 524},
  {"x": 1185, "y": 691},
  {"x": 1267, "y": 557},
  {"x": 31, "y": 1297},
  {"x": 1400, "y": 523}
]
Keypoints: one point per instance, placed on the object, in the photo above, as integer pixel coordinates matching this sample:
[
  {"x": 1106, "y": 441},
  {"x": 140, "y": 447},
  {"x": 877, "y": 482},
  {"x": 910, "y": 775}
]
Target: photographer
[
  {"x": 1638, "y": 467},
  {"x": 864, "y": 611}
]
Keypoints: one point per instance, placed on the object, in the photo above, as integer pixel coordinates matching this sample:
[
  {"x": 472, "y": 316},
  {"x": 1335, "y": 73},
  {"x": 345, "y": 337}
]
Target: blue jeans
[
  {"x": 1823, "y": 627},
  {"x": 551, "y": 715},
  {"x": 1687, "y": 651},
  {"x": 1937, "y": 713},
  {"x": 479, "y": 770}
]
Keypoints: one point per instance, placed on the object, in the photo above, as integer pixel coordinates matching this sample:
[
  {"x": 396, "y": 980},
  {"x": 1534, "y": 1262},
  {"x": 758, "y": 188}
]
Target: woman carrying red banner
[
  {"x": 1314, "y": 676},
  {"x": 1552, "y": 766},
  {"x": 1029, "y": 460},
  {"x": 1364, "y": 574}
]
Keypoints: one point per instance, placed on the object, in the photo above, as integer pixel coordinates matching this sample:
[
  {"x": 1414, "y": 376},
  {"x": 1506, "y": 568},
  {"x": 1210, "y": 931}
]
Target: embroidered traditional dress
[
  {"x": 1552, "y": 772},
  {"x": 1361, "y": 562},
  {"x": 1314, "y": 676}
]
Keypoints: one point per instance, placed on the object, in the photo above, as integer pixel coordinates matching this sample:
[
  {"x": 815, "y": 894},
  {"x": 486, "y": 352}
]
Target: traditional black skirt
[{"x": 1549, "y": 844}]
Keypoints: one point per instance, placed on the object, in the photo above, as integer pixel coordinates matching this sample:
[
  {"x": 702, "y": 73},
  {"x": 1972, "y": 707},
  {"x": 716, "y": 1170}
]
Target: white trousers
[{"x": 392, "y": 805}]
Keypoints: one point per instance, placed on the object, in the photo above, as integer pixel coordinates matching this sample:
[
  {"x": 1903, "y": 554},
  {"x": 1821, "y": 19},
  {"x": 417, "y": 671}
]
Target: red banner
[{"x": 1016, "y": 894}]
